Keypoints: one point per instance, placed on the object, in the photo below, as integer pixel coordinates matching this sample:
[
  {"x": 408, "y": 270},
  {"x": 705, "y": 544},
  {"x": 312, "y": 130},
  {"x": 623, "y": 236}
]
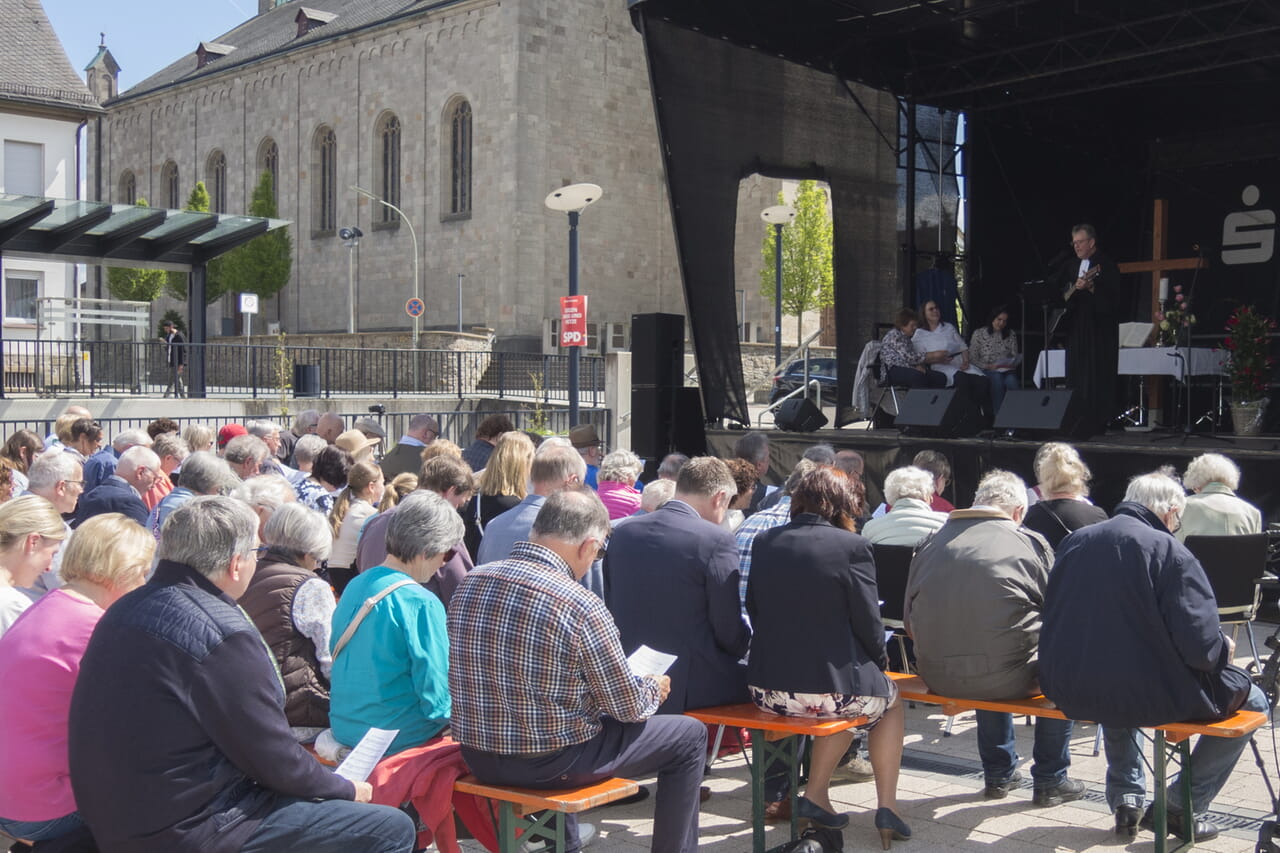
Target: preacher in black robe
[{"x": 1092, "y": 325}]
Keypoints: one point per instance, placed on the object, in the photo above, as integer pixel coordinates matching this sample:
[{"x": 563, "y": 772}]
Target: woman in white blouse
[
  {"x": 948, "y": 354},
  {"x": 353, "y": 507}
]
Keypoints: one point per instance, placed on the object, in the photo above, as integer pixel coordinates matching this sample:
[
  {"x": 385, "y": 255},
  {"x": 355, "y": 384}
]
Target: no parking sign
[{"x": 415, "y": 307}]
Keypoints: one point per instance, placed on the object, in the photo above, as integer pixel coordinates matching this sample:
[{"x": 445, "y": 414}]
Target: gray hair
[
  {"x": 206, "y": 473},
  {"x": 130, "y": 438},
  {"x": 656, "y": 494},
  {"x": 51, "y": 468},
  {"x": 705, "y": 476},
  {"x": 207, "y": 532},
  {"x": 1003, "y": 490},
  {"x": 804, "y": 466},
  {"x": 170, "y": 444},
  {"x": 198, "y": 436},
  {"x": 300, "y": 529},
  {"x": 137, "y": 457},
  {"x": 670, "y": 466},
  {"x": 244, "y": 448},
  {"x": 417, "y": 423},
  {"x": 306, "y": 420},
  {"x": 572, "y": 516},
  {"x": 553, "y": 441},
  {"x": 261, "y": 429},
  {"x": 423, "y": 524},
  {"x": 620, "y": 466},
  {"x": 753, "y": 447},
  {"x": 1157, "y": 492},
  {"x": 556, "y": 464},
  {"x": 1211, "y": 468},
  {"x": 265, "y": 491},
  {"x": 307, "y": 448},
  {"x": 908, "y": 482},
  {"x": 823, "y": 454}
]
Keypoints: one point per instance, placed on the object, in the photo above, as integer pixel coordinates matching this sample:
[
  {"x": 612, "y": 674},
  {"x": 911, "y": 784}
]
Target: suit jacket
[
  {"x": 114, "y": 495},
  {"x": 403, "y": 459},
  {"x": 671, "y": 581}
]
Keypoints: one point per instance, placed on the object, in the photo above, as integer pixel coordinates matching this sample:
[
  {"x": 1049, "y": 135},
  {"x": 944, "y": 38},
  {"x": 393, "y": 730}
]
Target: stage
[{"x": 1113, "y": 458}]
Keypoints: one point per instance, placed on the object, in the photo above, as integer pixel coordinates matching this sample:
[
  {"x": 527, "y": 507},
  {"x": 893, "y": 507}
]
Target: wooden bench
[
  {"x": 527, "y": 814},
  {"x": 765, "y": 753},
  {"x": 1171, "y": 739}
]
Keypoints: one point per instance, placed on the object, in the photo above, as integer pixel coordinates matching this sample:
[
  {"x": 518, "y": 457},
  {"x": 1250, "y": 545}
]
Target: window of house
[
  {"x": 23, "y": 168},
  {"x": 169, "y": 186},
  {"x": 21, "y": 290},
  {"x": 459, "y": 140},
  {"x": 324, "y": 183},
  {"x": 128, "y": 188},
  {"x": 387, "y": 146},
  {"x": 216, "y": 174}
]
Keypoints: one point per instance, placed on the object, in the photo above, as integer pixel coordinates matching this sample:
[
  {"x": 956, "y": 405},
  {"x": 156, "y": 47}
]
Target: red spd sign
[{"x": 573, "y": 321}]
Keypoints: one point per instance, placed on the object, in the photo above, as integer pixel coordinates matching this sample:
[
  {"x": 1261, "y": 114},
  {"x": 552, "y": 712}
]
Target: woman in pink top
[
  {"x": 619, "y": 470},
  {"x": 108, "y": 556}
]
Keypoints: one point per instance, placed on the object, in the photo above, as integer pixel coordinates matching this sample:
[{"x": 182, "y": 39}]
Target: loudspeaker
[
  {"x": 1040, "y": 412},
  {"x": 940, "y": 412},
  {"x": 799, "y": 414},
  {"x": 665, "y": 420},
  {"x": 657, "y": 350}
]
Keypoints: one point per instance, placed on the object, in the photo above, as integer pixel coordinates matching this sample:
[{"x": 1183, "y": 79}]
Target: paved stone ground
[{"x": 940, "y": 792}]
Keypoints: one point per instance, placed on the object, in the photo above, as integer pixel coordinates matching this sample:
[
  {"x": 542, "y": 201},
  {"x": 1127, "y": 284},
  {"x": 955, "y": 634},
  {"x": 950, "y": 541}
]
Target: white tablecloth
[{"x": 1141, "y": 361}]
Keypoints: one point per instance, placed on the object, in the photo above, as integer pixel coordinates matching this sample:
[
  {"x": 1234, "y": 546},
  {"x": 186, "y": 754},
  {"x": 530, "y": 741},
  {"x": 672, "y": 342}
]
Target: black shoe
[
  {"x": 1055, "y": 795},
  {"x": 1204, "y": 829},
  {"x": 1127, "y": 818},
  {"x": 1000, "y": 790}
]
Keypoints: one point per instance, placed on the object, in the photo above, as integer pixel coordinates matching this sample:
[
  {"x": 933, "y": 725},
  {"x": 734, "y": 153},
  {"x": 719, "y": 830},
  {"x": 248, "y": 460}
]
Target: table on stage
[{"x": 1141, "y": 361}]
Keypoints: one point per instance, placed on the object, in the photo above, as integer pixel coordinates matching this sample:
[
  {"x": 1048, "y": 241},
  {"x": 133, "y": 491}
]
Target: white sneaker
[{"x": 586, "y": 832}]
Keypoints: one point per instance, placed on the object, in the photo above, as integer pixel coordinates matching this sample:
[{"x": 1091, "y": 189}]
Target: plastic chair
[{"x": 1233, "y": 565}]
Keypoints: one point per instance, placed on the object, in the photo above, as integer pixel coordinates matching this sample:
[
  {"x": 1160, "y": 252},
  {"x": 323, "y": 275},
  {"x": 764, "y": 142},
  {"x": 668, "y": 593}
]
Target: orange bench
[
  {"x": 527, "y": 814},
  {"x": 1170, "y": 739},
  {"x": 765, "y": 753}
]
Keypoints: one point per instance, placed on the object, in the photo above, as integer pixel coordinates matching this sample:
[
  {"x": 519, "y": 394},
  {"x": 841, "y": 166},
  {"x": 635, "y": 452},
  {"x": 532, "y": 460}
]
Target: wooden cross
[{"x": 1157, "y": 265}]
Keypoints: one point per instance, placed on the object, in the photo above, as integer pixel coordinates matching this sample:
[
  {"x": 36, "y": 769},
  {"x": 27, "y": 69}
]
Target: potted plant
[{"x": 1248, "y": 367}]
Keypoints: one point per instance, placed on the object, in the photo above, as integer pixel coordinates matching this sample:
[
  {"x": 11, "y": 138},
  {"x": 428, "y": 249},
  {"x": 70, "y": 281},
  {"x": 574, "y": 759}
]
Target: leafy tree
[
  {"x": 262, "y": 265},
  {"x": 198, "y": 202},
  {"x": 807, "y": 277},
  {"x": 137, "y": 285}
]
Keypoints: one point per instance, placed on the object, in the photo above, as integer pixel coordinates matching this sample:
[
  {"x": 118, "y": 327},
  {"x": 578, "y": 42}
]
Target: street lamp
[
  {"x": 777, "y": 216},
  {"x": 417, "y": 286},
  {"x": 350, "y": 238},
  {"x": 461, "y": 276},
  {"x": 572, "y": 200}
]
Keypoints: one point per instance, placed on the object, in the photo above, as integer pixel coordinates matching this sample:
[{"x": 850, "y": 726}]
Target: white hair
[
  {"x": 300, "y": 529},
  {"x": 265, "y": 491},
  {"x": 1211, "y": 468},
  {"x": 262, "y": 429},
  {"x": 1003, "y": 490},
  {"x": 137, "y": 457},
  {"x": 130, "y": 438},
  {"x": 51, "y": 468},
  {"x": 656, "y": 494},
  {"x": 620, "y": 466},
  {"x": 908, "y": 482},
  {"x": 1157, "y": 492}
]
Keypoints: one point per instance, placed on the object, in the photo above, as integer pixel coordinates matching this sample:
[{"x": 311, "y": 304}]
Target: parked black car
[{"x": 821, "y": 369}]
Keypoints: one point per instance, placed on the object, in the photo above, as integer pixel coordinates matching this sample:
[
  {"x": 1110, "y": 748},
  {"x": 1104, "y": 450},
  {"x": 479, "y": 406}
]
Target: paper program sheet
[
  {"x": 647, "y": 661},
  {"x": 367, "y": 753}
]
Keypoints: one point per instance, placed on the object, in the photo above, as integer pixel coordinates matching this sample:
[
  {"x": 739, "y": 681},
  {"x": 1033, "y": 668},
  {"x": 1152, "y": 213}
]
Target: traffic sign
[
  {"x": 248, "y": 303},
  {"x": 415, "y": 307}
]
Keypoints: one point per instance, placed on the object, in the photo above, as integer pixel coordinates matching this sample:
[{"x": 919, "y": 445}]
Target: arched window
[
  {"x": 324, "y": 182},
  {"x": 459, "y": 139},
  {"x": 386, "y": 144},
  {"x": 269, "y": 161},
  {"x": 216, "y": 175},
  {"x": 128, "y": 188},
  {"x": 169, "y": 188}
]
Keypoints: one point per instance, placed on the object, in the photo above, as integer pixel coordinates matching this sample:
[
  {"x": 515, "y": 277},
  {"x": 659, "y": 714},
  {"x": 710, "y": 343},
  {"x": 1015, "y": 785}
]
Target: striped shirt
[
  {"x": 534, "y": 659},
  {"x": 766, "y": 519}
]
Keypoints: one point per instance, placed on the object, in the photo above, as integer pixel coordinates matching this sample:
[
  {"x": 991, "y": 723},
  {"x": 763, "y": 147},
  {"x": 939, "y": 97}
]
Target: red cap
[{"x": 229, "y": 432}]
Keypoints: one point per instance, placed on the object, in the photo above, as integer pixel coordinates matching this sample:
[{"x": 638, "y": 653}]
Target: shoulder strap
[{"x": 369, "y": 604}]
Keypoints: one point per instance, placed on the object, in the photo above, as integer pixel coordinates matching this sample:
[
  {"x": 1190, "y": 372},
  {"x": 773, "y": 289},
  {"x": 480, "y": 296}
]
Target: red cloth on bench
[{"x": 425, "y": 775}]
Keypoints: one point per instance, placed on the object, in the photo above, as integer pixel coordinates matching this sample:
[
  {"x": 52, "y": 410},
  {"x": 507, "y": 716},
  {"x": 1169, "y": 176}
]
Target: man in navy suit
[
  {"x": 122, "y": 492},
  {"x": 671, "y": 581}
]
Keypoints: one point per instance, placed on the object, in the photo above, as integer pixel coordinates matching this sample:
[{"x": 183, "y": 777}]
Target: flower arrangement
[
  {"x": 1248, "y": 368},
  {"x": 1170, "y": 322}
]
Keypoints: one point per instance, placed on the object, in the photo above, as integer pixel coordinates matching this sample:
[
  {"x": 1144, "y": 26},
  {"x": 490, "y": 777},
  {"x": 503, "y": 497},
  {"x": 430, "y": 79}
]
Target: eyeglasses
[
  {"x": 1081, "y": 242},
  {"x": 79, "y": 483}
]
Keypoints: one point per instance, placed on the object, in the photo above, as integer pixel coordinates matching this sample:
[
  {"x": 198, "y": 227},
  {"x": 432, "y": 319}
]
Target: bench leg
[
  {"x": 764, "y": 755},
  {"x": 1160, "y": 806},
  {"x": 547, "y": 825}
]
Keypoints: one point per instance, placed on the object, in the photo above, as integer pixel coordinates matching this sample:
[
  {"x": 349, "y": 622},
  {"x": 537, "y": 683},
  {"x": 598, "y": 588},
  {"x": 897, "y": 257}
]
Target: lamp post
[
  {"x": 350, "y": 238},
  {"x": 461, "y": 276},
  {"x": 742, "y": 315},
  {"x": 417, "y": 286},
  {"x": 572, "y": 200},
  {"x": 778, "y": 216}
]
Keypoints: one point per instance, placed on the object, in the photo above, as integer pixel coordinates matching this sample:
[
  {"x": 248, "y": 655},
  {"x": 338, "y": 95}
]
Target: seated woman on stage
[
  {"x": 994, "y": 350},
  {"x": 1063, "y": 483},
  {"x": 941, "y": 345},
  {"x": 900, "y": 363},
  {"x": 834, "y": 666}
]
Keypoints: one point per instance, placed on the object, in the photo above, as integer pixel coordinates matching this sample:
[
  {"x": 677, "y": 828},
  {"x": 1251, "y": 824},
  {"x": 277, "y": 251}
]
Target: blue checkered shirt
[
  {"x": 775, "y": 516},
  {"x": 534, "y": 659}
]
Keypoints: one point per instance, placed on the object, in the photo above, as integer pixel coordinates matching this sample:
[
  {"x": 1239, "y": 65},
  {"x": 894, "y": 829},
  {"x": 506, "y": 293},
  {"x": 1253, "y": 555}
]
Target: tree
[
  {"x": 262, "y": 265},
  {"x": 807, "y": 277},
  {"x": 136, "y": 285},
  {"x": 198, "y": 202}
]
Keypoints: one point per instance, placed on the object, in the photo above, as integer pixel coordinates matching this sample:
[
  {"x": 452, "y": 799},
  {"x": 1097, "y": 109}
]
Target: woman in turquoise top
[{"x": 393, "y": 672}]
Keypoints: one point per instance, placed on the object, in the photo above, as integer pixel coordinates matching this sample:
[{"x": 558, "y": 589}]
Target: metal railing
[{"x": 102, "y": 368}]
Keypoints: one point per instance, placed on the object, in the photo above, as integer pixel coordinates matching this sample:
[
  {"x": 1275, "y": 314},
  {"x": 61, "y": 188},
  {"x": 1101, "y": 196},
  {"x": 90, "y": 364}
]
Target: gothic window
[
  {"x": 216, "y": 175},
  {"x": 459, "y": 141},
  {"x": 324, "y": 182},
  {"x": 128, "y": 188},
  {"x": 269, "y": 161},
  {"x": 386, "y": 144},
  {"x": 172, "y": 194}
]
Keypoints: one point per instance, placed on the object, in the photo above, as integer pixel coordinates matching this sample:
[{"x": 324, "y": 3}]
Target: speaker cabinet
[
  {"x": 799, "y": 414},
  {"x": 664, "y": 420},
  {"x": 657, "y": 350},
  {"x": 938, "y": 412},
  {"x": 1040, "y": 413}
]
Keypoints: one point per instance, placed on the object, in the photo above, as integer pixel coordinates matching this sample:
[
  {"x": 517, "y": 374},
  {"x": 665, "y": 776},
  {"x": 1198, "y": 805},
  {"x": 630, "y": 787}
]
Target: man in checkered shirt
[{"x": 543, "y": 696}]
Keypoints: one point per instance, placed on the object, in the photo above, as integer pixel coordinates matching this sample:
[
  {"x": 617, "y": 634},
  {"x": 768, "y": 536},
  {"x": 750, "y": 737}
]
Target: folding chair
[
  {"x": 893, "y": 562},
  {"x": 1233, "y": 565}
]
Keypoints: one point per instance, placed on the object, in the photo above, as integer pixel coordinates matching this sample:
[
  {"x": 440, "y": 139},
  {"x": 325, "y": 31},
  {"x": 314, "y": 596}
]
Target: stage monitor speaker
[
  {"x": 1039, "y": 412},
  {"x": 668, "y": 419},
  {"x": 940, "y": 412},
  {"x": 657, "y": 350},
  {"x": 799, "y": 414}
]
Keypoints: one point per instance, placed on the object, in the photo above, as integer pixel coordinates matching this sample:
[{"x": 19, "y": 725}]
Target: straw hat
[{"x": 357, "y": 444}]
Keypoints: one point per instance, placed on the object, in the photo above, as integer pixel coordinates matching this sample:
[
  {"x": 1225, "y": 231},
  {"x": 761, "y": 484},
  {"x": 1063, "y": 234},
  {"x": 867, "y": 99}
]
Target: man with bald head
[
  {"x": 330, "y": 427},
  {"x": 406, "y": 456},
  {"x": 122, "y": 492}
]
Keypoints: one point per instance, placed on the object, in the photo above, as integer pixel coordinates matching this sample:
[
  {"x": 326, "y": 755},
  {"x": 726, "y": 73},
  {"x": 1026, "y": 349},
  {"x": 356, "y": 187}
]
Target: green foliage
[
  {"x": 176, "y": 283},
  {"x": 807, "y": 277},
  {"x": 135, "y": 284},
  {"x": 262, "y": 265},
  {"x": 284, "y": 373}
]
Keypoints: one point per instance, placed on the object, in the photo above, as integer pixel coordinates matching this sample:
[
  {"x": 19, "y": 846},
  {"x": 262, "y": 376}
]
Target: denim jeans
[
  {"x": 41, "y": 830},
  {"x": 333, "y": 826},
  {"x": 1212, "y": 761},
  {"x": 999, "y": 750},
  {"x": 1001, "y": 381}
]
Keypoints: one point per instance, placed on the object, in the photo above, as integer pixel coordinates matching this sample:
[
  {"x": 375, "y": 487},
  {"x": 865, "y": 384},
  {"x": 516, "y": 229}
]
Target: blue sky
[{"x": 143, "y": 35}]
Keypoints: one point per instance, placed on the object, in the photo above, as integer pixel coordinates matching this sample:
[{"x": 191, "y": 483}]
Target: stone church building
[{"x": 462, "y": 113}]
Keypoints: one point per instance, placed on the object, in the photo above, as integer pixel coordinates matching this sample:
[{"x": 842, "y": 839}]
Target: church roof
[
  {"x": 275, "y": 33},
  {"x": 35, "y": 70}
]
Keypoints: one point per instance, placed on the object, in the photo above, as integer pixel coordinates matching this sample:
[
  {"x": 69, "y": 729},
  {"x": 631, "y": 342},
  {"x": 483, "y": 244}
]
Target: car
[{"x": 821, "y": 369}]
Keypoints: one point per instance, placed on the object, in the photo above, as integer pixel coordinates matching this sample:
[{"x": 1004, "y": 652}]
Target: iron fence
[{"x": 100, "y": 368}]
